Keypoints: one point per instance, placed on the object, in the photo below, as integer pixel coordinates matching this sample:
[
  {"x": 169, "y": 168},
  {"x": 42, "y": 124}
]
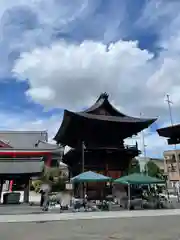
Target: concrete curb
[{"x": 48, "y": 217}]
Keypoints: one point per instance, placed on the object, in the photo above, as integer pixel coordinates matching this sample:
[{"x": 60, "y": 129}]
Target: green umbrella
[
  {"x": 90, "y": 177},
  {"x": 138, "y": 178}
]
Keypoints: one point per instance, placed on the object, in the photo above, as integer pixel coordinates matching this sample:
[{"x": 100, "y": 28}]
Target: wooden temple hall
[{"x": 96, "y": 137}]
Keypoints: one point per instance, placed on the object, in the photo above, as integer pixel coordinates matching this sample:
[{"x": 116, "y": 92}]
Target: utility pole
[
  {"x": 169, "y": 107},
  {"x": 170, "y": 112},
  {"x": 144, "y": 150}
]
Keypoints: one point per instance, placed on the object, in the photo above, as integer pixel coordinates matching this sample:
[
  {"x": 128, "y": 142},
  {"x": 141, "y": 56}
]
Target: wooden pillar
[
  {"x": 11, "y": 185},
  {"x": 26, "y": 190},
  {"x": 49, "y": 160},
  {"x": 106, "y": 174},
  {"x": 83, "y": 146},
  {"x": 107, "y": 169},
  {"x": 11, "y": 181},
  {"x": 82, "y": 185}
]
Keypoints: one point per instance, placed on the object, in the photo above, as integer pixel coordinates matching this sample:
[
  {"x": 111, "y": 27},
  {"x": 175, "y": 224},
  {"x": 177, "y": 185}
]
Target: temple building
[
  {"x": 23, "y": 155},
  {"x": 96, "y": 137},
  {"x": 171, "y": 157}
]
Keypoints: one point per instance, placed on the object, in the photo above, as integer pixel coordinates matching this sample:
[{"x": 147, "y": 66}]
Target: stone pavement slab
[{"x": 48, "y": 217}]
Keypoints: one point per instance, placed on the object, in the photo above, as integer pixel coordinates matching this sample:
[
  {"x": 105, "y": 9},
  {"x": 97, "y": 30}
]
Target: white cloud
[
  {"x": 78, "y": 73},
  {"x": 41, "y": 94},
  {"x": 25, "y": 25},
  {"x": 23, "y": 122},
  {"x": 71, "y": 75}
]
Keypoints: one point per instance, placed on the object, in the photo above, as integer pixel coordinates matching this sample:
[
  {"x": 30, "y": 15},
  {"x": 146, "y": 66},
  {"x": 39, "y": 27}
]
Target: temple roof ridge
[
  {"x": 104, "y": 95},
  {"x": 103, "y": 103}
]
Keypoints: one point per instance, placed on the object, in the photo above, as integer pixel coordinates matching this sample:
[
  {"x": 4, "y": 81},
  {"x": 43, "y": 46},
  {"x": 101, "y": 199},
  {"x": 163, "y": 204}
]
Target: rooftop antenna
[{"x": 144, "y": 150}]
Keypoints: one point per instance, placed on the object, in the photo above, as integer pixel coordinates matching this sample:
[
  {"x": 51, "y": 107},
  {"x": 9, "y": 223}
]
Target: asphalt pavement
[{"x": 134, "y": 228}]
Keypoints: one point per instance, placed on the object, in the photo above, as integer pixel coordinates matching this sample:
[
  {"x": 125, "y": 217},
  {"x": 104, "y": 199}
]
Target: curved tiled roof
[
  {"x": 75, "y": 125},
  {"x": 109, "y": 118}
]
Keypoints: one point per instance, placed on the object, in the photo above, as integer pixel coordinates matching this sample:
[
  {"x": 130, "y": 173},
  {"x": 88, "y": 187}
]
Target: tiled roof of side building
[{"x": 27, "y": 139}]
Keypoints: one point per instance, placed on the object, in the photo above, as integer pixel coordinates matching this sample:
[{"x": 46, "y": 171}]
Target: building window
[
  {"x": 172, "y": 168},
  {"x": 173, "y": 158}
]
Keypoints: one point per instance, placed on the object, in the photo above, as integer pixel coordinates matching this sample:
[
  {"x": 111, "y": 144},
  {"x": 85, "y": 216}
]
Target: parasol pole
[{"x": 129, "y": 196}]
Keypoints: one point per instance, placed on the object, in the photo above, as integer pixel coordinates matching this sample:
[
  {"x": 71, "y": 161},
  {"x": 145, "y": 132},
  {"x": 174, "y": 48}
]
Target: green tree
[
  {"x": 153, "y": 170},
  {"x": 134, "y": 167},
  {"x": 53, "y": 175}
]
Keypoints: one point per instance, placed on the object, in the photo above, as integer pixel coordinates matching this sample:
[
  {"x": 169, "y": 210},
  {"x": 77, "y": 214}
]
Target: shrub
[
  {"x": 36, "y": 184},
  {"x": 57, "y": 187}
]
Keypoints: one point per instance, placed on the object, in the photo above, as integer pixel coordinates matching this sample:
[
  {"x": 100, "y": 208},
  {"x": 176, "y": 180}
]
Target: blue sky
[{"x": 62, "y": 54}]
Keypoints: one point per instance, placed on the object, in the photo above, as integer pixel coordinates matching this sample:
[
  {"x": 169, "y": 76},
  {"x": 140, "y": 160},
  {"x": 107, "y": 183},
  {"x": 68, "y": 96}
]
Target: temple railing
[
  {"x": 101, "y": 148},
  {"x": 125, "y": 147},
  {"x": 135, "y": 147}
]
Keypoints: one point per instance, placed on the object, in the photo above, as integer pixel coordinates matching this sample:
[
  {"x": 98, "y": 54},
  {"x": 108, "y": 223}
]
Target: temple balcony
[{"x": 135, "y": 146}]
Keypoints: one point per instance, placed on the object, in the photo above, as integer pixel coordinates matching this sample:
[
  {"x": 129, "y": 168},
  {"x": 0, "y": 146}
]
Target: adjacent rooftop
[{"x": 25, "y": 140}]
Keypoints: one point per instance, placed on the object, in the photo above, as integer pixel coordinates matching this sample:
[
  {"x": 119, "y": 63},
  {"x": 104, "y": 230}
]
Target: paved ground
[
  {"x": 24, "y": 209},
  {"x": 47, "y": 217},
  {"x": 136, "y": 228}
]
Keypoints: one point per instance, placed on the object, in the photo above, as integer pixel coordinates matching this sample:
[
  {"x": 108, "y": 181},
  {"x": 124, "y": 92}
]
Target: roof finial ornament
[{"x": 104, "y": 95}]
